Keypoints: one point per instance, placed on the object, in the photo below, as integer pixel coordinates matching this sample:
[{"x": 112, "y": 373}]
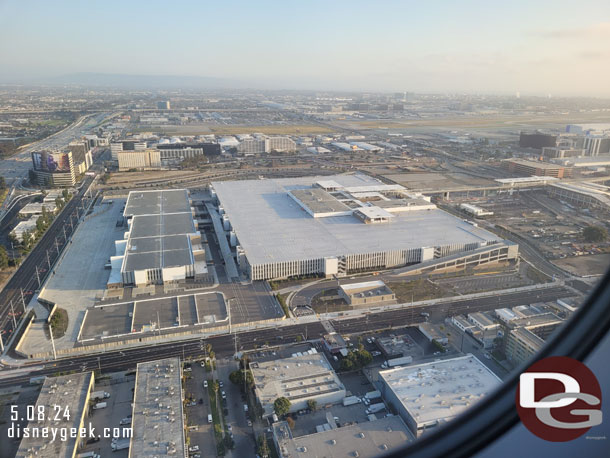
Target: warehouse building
[
  {"x": 366, "y": 439},
  {"x": 162, "y": 244},
  {"x": 340, "y": 225},
  {"x": 157, "y": 417},
  {"x": 71, "y": 394},
  {"x": 365, "y": 293},
  {"x": 430, "y": 394},
  {"x": 298, "y": 378}
]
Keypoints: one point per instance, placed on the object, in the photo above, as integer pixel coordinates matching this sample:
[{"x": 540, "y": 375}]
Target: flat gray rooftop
[
  {"x": 440, "y": 390},
  {"x": 365, "y": 439},
  {"x": 272, "y": 227},
  {"x": 123, "y": 318},
  {"x": 157, "y": 202},
  {"x": 71, "y": 393},
  {"x": 158, "y": 428}
]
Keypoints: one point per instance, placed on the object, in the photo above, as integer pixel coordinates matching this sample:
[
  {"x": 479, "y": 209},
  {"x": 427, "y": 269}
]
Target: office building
[
  {"x": 163, "y": 105},
  {"x": 430, "y": 394},
  {"x": 281, "y": 145},
  {"x": 54, "y": 169},
  {"x": 71, "y": 393},
  {"x": 298, "y": 378},
  {"x": 536, "y": 140},
  {"x": 126, "y": 145},
  {"x": 139, "y": 160},
  {"x": 313, "y": 225},
  {"x": 596, "y": 145},
  {"x": 157, "y": 416},
  {"x": 162, "y": 243}
]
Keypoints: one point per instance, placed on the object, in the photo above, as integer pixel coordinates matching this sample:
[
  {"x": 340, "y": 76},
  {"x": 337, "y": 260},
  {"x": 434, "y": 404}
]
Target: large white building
[
  {"x": 162, "y": 243},
  {"x": 430, "y": 394},
  {"x": 339, "y": 225}
]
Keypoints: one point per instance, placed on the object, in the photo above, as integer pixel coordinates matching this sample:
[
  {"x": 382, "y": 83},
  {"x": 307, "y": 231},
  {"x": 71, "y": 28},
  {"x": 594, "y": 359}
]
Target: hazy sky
[{"x": 535, "y": 47}]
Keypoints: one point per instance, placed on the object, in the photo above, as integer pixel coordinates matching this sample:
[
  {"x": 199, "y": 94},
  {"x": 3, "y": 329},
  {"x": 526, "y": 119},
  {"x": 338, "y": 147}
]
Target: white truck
[
  {"x": 100, "y": 395},
  {"x": 397, "y": 362},
  {"x": 373, "y": 408},
  {"x": 100, "y": 405},
  {"x": 351, "y": 400},
  {"x": 121, "y": 444}
]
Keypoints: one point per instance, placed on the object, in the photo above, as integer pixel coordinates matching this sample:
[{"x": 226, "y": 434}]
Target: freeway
[
  {"x": 20, "y": 288},
  {"x": 224, "y": 345}
]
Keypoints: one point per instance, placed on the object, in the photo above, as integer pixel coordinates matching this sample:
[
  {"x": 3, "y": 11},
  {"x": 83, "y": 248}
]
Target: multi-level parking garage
[{"x": 338, "y": 225}]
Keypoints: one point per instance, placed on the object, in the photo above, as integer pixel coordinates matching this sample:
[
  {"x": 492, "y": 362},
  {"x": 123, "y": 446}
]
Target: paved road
[
  {"x": 25, "y": 278},
  {"x": 224, "y": 345}
]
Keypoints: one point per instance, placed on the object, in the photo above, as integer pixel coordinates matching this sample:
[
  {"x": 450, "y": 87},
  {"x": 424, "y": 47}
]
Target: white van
[{"x": 209, "y": 418}]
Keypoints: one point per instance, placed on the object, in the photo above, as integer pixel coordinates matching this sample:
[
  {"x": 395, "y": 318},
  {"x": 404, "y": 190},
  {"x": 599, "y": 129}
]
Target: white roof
[
  {"x": 438, "y": 391},
  {"x": 363, "y": 284},
  {"x": 375, "y": 212},
  {"x": 272, "y": 227},
  {"x": 532, "y": 179}
]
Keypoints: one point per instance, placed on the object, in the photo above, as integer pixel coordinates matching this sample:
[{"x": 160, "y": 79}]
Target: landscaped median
[{"x": 223, "y": 440}]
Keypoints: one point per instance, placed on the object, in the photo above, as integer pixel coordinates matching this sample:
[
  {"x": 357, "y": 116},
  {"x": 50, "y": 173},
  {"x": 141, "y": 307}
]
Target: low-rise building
[
  {"x": 430, "y": 394},
  {"x": 365, "y": 439},
  {"x": 433, "y": 333},
  {"x": 70, "y": 394},
  {"x": 521, "y": 345},
  {"x": 35, "y": 208},
  {"x": 365, "y": 293},
  {"x": 158, "y": 418},
  {"x": 297, "y": 378}
]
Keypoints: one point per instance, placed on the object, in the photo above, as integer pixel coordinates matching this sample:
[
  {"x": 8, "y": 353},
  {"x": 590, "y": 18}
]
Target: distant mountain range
[{"x": 138, "y": 81}]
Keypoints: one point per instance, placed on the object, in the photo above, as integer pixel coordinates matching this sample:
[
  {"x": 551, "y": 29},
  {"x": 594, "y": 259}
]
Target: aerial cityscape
[{"x": 203, "y": 267}]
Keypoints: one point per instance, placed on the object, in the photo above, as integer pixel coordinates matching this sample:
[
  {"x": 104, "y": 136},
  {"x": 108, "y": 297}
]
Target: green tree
[
  {"x": 594, "y": 234},
  {"x": 312, "y": 404},
  {"x": 281, "y": 406},
  {"x": 262, "y": 448},
  {"x": 2, "y": 182},
  {"x": 4, "y": 259}
]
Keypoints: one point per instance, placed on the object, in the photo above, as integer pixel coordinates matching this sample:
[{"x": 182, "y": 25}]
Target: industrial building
[
  {"x": 433, "y": 333},
  {"x": 594, "y": 196},
  {"x": 313, "y": 225},
  {"x": 36, "y": 208},
  {"x": 365, "y": 293},
  {"x": 162, "y": 243},
  {"x": 71, "y": 393},
  {"x": 430, "y": 394},
  {"x": 22, "y": 227},
  {"x": 365, "y": 439},
  {"x": 157, "y": 417},
  {"x": 536, "y": 168},
  {"x": 298, "y": 378}
]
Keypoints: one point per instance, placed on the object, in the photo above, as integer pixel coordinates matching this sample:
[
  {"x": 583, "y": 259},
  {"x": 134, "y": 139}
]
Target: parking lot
[
  {"x": 118, "y": 407},
  {"x": 199, "y": 431}
]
